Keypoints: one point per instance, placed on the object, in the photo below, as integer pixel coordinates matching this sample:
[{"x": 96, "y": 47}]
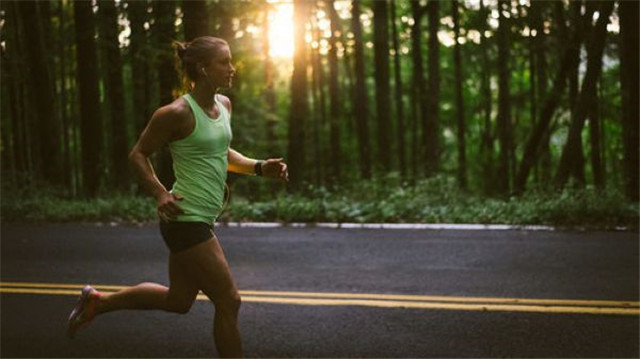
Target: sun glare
[{"x": 281, "y": 29}]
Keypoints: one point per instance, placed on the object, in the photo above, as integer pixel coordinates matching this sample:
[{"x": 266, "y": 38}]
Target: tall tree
[
  {"x": 138, "y": 55},
  {"x": 195, "y": 19},
  {"x": 269, "y": 91},
  {"x": 62, "y": 89},
  {"x": 299, "y": 106},
  {"x": 383, "y": 88},
  {"x": 572, "y": 150},
  {"x": 532, "y": 147},
  {"x": 335, "y": 114},
  {"x": 539, "y": 82},
  {"x": 460, "y": 116},
  {"x": 595, "y": 128},
  {"x": 115, "y": 91},
  {"x": 431, "y": 133},
  {"x": 42, "y": 88},
  {"x": 165, "y": 33},
  {"x": 397, "y": 71},
  {"x": 487, "y": 142},
  {"x": 505, "y": 136},
  {"x": 419, "y": 105},
  {"x": 629, "y": 31},
  {"x": 90, "y": 123},
  {"x": 319, "y": 105},
  {"x": 361, "y": 108}
]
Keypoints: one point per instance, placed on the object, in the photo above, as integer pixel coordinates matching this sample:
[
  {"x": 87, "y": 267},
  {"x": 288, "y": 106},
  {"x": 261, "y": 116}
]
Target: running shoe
[{"x": 84, "y": 311}]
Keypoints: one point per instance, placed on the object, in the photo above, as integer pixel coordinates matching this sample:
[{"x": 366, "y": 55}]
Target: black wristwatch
[{"x": 257, "y": 168}]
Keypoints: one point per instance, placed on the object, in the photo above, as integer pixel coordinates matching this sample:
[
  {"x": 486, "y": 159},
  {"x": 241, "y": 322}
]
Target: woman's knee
[
  {"x": 179, "y": 306},
  {"x": 230, "y": 301}
]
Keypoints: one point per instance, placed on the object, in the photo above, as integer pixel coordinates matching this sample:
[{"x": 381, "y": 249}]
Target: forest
[{"x": 386, "y": 101}]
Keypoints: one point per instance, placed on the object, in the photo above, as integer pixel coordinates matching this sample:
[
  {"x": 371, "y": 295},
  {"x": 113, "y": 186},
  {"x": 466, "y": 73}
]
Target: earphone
[{"x": 204, "y": 72}]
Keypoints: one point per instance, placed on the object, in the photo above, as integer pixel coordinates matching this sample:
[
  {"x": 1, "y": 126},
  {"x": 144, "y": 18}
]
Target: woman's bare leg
[
  {"x": 178, "y": 298},
  {"x": 207, "y": 264}
]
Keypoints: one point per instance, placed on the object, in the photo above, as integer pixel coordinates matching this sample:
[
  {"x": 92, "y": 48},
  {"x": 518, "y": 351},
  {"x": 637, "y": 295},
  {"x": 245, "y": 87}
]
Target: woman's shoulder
[
  {"x": 225, "y": 101},
  {"x": 176, "y": 110}
]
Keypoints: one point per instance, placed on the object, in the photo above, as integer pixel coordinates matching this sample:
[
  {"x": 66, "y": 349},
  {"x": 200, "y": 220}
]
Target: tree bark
[
  {"x": 431, "y": 134},
  {"x": 552, "y": 99},
  {"x": 594, "y": 140},
  {"x": 269, "y": 92},
  {"x": 335, "y": 114},
  {"x": 539, "y": 51},
  {"x": 460, "y": 116},
  {"x": 165, "y": 33},
  {"x": 398, "y": 94},
  {"x": 115, "y": 91},
  {"x": 139, "y": 53},
  {"x": 505, "y": 136},
  {"x": 628, "y": 11},
  {"x": 42, "y": 90},
  {"x": 486, "y": 147},
  {"x": 383, "y": 88},
  {"x": 299, "y": 106},
  {"x": 419, "y": 93},
  {"x": 87, "y": 75},
  {"x": 572, "y": 152},
  {"x": 360, "y": 101}
]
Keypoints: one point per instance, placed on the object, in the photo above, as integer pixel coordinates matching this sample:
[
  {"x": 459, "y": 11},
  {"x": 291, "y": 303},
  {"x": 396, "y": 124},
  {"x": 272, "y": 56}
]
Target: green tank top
[{"x": 200, "y": 164}]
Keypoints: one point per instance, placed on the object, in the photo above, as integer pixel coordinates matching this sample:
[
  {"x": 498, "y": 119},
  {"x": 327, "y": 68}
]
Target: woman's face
[{"x": 220, "y": 71}]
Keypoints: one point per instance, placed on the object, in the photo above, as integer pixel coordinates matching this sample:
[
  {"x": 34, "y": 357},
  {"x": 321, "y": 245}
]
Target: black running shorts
[{"x": 180, "y": 236}]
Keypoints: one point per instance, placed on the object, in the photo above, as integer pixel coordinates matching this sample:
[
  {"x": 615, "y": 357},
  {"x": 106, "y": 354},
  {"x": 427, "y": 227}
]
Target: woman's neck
[{"x": 204, "y": 94}]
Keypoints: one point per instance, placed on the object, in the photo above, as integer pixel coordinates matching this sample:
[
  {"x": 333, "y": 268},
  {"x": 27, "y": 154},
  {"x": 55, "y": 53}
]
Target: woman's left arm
[{"x": 273, "y": 167}]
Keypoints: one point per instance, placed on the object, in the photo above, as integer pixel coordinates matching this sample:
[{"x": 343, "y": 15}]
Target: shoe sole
[{"x": 77, "y": 310}]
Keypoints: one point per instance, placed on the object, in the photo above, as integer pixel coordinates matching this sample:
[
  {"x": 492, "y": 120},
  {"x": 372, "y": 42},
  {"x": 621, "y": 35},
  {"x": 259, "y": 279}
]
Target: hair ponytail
[{"x": 181, "y": 49}]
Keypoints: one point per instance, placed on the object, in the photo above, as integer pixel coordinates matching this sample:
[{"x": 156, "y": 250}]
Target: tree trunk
[
  {"x": 486, "y": 147},
  {"x": 505, "y": 136},
  {"x": 383, "y": 88},
  {"x": 360, "y": 101},
  {"x": 115, "y": 92},
  {"x": 541, "y": 128},
  {"x": 539, "y": 51},
  {"x": 398, "y": 94},
  {"x": 628, "y": 11},
  {"x": 165, "y": 32},
  {"x": 42, "y": 90},
  {"x": 431, "y": 134},
  {"x": 87, "y": 72},
  {"x": 62, "y": 90},
  {"x": 334, "y": 122},
  {"x": 139, "y": 53},
  {"x": 572, "y": 152},
  {"x": 299, "y": 106},
  {"x": 195, "y": 19},
  {"x": 318, "y": 107},
  {"x": 460, "y": 116},
  {"x": 271, "y": 118},
  {"x": 594, "y": 140},
  {"x": 419, "y": 102}
]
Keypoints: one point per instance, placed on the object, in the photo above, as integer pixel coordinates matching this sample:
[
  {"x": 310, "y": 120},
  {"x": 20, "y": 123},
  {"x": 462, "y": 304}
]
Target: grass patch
[{"x": 386, "y": 200}]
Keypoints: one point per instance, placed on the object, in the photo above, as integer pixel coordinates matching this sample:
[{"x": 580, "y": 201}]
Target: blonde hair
[{"x": 201, "y": 50}]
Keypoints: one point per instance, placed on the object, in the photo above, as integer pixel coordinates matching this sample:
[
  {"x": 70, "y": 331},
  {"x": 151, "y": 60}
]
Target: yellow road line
[
  {"x": 374, "y": 300},
  {"x": 393, "y": 297}
]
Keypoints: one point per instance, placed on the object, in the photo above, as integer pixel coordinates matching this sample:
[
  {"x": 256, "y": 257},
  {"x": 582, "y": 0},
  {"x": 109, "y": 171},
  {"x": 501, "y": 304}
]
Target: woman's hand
[
  {"x": 275, "y": 168},
  {"x": 168, "y": 208}
]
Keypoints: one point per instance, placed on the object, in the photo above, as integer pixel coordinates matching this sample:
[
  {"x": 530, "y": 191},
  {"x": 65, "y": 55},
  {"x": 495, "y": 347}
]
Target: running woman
[{"x": 197, "y": 129}]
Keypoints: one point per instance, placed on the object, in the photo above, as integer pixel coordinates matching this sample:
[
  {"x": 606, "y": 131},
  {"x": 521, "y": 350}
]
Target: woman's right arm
[{"x": 160, "y": 131}]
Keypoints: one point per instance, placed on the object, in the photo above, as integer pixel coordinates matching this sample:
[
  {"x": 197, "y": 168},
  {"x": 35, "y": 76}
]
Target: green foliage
[{"x": 387, "y": 200}]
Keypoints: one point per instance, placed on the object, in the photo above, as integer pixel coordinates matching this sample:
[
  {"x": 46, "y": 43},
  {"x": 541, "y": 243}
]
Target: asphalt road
[{"x": 319, "y": 293}]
